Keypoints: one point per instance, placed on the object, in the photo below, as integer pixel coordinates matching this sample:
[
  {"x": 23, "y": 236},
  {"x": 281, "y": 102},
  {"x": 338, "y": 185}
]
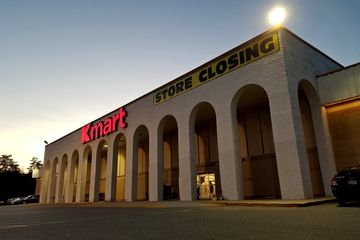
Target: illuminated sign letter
[
  {"x": 96, "y": 130},
  {"x": 122, "y": 115},
  {"x": 84, "y": 134},
  {"x": 107, "y": 126}
]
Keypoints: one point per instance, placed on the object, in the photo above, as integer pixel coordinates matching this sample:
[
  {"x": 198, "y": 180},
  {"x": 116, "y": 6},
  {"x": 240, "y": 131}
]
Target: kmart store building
[{"x": 271, "y": 118}]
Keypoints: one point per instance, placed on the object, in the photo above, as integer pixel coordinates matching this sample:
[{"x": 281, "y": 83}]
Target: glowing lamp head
[{"x": 277, "y": 16}]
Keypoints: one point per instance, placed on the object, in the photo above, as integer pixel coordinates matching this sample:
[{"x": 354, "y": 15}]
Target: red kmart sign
[{"x": 92, "y": 131}]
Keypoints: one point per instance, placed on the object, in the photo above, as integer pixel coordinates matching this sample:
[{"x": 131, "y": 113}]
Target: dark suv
[{"x": 346, "y": 185}]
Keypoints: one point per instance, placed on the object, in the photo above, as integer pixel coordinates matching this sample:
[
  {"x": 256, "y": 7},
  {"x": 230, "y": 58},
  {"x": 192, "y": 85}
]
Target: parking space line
[{"x": 13, "y": 226}]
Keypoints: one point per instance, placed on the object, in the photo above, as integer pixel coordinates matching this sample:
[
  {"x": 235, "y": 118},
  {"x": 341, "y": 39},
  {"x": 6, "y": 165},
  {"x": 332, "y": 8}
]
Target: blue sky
[{"x": 66, "y": 63}]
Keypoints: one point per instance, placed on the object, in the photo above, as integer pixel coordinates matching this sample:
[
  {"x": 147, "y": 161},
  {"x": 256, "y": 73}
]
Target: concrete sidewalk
[
  {"x": 202, "y": 203},
  {"x": 278, "y": 202}
]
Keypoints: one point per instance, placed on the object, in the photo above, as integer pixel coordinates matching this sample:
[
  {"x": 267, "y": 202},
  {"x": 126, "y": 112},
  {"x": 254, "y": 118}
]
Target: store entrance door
[{"x": 206, "y": 187}]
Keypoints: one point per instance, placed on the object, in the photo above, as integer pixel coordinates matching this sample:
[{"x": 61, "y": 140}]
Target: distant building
[{"x": 272, "y": 118}]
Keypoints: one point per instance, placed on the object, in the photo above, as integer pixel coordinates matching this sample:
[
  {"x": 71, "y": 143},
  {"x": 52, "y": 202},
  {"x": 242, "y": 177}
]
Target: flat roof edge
[
  {"x": 338, "y": 70},
  {"x": 276, "y": 28},
  {"x": 311, "y": 46}
]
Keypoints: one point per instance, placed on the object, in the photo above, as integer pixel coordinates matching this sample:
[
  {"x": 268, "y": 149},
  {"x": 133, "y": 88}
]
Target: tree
[
  {"x": 7, "y": 164},
  {"x": 14, "y": 183},
  {"x": 35, "y": 163}
]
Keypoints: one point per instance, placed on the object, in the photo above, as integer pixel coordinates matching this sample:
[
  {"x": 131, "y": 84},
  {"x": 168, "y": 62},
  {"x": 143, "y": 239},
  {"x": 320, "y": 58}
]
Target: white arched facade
[{"x": 193, "y": 139}]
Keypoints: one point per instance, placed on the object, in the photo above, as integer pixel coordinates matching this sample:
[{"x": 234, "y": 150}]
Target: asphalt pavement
[{"x": 178, "y": 220}]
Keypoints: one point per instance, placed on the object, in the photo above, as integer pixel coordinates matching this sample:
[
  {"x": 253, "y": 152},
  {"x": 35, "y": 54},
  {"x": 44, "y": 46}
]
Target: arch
[
  {"x": 141, "y": 160},
  {"x": 251, "y": 117},
  {"x": 203, "y": 135},
  {"x": 100, "y": 175},
  {"x": 85, "y": 174},
  {"x": 169, "y": 157},
  {"x": 61, "y": 183},
  {"x": 308, "y": 99},
  {"x": 310, "y": 92},
  {"x": 70, "y": 195},
  {"x": 119, "y": 157},
  {"x": 45, "y": 182}
]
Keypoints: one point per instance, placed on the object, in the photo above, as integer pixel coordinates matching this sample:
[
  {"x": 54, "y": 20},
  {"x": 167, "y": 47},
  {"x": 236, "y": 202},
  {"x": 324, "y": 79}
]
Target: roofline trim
[
  {"x": 276, "y": 28},
  {"x": 338, "y": 70}
]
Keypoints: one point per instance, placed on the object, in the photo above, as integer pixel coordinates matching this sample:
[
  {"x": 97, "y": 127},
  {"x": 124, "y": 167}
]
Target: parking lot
[{"x": 182, "y": 220}]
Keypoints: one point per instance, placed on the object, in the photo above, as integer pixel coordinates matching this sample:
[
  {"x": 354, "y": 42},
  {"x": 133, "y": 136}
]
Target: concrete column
[
  {"x": 290, "y": 149},
  {"x": 229, "y": 157},
  {"x": 155, "y": 165},
  {"x": 81, "y": 178},
  {"x": 79, "y": 181},
  {"x": 131, "y": 169},
  {"x": 187, "y": 161},
  {"x": 60, "y": 182},
  {"x": 95, "y": 176},
  {"x": 111, "y": 172},
  {"x": 44, "y": 183},
  {"x": 324, "y": 145},
  {"x": 52, "y": 182},
  {"x": 70, "y": 181}
]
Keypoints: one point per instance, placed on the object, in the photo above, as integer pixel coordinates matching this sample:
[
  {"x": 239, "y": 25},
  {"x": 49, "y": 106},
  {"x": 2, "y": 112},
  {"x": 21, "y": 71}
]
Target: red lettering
[
  {"x": 85, "y": 134},
  {"x": 122, "y": 115},
  {"x": 115, "y": 119},
  {"x": 108, "y": 126},
  {"x": 89, "y": 133},
  {"x": 96, "y": 131}
]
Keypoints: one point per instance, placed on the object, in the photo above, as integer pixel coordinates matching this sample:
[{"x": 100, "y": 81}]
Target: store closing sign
[{"x": 234, "y": 59}]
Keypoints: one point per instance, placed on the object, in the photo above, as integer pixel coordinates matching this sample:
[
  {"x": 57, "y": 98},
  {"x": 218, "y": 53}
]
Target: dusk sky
[{"x": 65, "y": 63}]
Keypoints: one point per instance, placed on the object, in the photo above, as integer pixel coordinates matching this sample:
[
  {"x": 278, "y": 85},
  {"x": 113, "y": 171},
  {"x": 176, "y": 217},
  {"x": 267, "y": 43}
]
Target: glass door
[{"x": 206, "y": 188}]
